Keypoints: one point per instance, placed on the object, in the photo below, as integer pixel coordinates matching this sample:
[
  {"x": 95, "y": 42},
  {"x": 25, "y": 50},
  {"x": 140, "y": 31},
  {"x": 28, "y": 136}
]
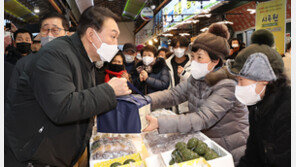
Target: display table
[{"x": 154, "y": 149}]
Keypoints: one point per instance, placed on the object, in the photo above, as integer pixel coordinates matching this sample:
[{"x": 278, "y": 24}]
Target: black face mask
[
  {"x": 23, "y": 47},
  {"x": 116, "y": 67}
]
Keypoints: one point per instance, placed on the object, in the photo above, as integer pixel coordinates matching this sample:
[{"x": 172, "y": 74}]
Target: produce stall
[{"x": 157, "y": 150}]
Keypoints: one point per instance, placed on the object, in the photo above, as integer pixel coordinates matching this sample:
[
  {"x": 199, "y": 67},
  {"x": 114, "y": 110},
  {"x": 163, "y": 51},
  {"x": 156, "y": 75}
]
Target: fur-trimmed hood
[{"x": 214, "y": 77}]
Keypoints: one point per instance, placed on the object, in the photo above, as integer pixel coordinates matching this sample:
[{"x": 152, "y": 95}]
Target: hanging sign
[
  {"x": 271, "y": 15},
  {"x": 147, "y": 14}
]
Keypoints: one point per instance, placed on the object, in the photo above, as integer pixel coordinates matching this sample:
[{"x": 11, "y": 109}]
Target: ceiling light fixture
[
  {"x": 204, "y": 29},
  {"x": 36, "y": 9},
  {"x": 152, "y": 7},
  {"x": 225, "y": 22},
  {"x": 205, "y": 15},
  {"x": 150, "y": 42},
  {"x": 184, "y": 34},
  {"x": 252, "y": 11},
  {"x": 172, "y": 28},
  {"x": 168, "y": 35}
]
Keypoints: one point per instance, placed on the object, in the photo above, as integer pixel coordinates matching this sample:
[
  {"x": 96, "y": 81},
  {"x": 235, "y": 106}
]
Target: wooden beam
[
  {"x": 71, "y": 14},
  {"x": 52, "y": 2}
]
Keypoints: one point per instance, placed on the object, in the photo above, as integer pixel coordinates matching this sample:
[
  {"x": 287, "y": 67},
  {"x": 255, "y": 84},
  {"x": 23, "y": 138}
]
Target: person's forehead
[
  {"x": 118, "y": 57},
  {"x": 55, "y": 21},
  {"x": 147, "y": 52},
  {"x": 110, "y": 24},
  {"x": 129, "y": 51},
  {"x": 23, "y": 35}
]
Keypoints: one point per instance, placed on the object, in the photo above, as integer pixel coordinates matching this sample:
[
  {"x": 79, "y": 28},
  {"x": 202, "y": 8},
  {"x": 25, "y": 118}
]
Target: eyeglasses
[{"x": 55, "y": 30}]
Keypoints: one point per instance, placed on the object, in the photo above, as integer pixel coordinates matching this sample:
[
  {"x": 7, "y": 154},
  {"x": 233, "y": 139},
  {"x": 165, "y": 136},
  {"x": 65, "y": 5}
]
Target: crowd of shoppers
[{"x": 57, "y": 82}]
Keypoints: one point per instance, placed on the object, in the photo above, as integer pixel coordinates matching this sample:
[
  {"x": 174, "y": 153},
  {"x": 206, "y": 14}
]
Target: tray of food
[
  {"x": 196, "y": 147},
  {"x": 158, "y": 143},
  {"x": 109, "y": 148}
]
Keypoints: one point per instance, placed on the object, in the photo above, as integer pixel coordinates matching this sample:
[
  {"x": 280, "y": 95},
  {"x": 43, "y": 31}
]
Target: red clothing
[{"x": 116, "y": 74}]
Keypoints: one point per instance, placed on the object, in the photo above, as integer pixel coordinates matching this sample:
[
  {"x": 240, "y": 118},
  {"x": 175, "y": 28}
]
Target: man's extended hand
[{"x": 119, "y": 86}]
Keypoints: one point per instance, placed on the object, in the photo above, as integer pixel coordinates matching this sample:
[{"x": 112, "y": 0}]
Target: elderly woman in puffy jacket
[
  {"x": 263, "y": 87},
  {"x": 214, "y": 110},
  {"x": 152, "y": 73}
]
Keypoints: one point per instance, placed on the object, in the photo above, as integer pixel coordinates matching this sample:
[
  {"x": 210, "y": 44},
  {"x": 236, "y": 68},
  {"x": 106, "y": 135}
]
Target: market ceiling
[{"x": 24, "y": 11}]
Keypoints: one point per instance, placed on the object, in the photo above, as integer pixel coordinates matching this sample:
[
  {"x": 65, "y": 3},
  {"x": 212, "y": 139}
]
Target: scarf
[{"x": 117, "y": 74}]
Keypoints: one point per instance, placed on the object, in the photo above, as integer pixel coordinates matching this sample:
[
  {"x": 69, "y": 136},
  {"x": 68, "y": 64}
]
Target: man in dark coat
[
  {"x": 52, "y": 25},
  {"x": 49, "y": 119}
]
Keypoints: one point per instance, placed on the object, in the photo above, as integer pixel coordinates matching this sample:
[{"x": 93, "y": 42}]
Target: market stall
[{"x": 157, "y": 150}]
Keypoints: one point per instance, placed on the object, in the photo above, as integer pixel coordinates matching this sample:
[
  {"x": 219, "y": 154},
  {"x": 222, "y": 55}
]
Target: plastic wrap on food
[
  {"x": 161, "y": 112},
  {"x": 158, "y": 143},
  {"x": 111, "y": 147}
]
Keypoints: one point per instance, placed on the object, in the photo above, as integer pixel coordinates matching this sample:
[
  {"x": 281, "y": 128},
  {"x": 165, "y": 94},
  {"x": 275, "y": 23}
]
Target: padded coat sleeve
[
  {"x": 210, "y": 112},
  {"x": 56, "y": 93}
]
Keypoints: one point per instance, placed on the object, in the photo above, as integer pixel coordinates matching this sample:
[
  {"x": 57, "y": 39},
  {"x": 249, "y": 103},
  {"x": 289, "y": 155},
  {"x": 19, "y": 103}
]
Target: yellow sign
[{"x": 271, "y": 15}]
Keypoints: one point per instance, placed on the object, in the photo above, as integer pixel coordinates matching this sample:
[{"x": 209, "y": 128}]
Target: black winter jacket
[
  {"x": 158, "y": 79},
  {"x": 49, "y": 118},
  {"x": 269, "y": 143}
]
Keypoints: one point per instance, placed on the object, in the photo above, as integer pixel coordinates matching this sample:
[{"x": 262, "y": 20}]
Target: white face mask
[
  {"x": 199, "y": 70},
  {"x": 235, "y": 45},
  {"x": 106, "y": 51},
  {"x": 129, "y": 58},
  {"x": 139, "y": 57},
  {"x": 179, "y": 52},
  {"x": 247, "y": 94},
  {"x": 147, "y": 60},
  {"x": 45, "y": 40}
]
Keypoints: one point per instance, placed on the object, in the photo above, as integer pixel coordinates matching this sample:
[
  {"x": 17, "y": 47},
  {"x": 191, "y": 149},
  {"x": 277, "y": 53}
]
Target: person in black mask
[
  {"x": 116, "y": 68},
  {"x": 21, "y": 46}
]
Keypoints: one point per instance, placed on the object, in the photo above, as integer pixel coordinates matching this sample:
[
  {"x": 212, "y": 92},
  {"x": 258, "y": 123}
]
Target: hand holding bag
[{"x": 125, "y": 117}]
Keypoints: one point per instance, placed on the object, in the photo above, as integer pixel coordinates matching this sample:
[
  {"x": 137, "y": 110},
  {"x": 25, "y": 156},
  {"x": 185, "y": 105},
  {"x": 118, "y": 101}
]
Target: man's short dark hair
[
  {"x": 129, "y": 47},
  {"x": 149, "y": 48},
  {"x": 22, "y": 31},
  {"x": 184, "y": 42},
  {"x": 162, "y": 49},
  {"x": 65, "y": 22},
  {"x": 94, "y": 17}
]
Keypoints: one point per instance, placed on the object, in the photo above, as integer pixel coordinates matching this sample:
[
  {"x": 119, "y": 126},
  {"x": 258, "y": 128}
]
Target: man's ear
[{"x": 89, "y": 33}]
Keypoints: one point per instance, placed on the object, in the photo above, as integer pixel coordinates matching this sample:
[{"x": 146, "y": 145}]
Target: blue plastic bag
[{"x": 125, "y": 118}]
